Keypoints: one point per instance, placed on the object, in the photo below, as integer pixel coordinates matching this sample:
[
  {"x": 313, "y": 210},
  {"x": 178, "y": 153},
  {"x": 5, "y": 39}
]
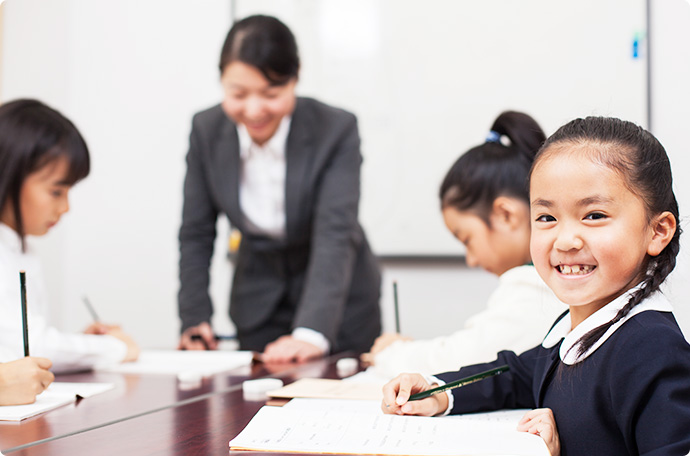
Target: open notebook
[
  {"x": 57, "y": 394},
  {"x": 340, "y": 426}
]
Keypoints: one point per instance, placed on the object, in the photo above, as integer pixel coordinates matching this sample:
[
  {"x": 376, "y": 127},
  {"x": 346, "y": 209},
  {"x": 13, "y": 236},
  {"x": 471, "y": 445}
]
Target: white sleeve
[
  {"x": 68, "y": 352},
  {"x": 518, "y": 315},
  {"x": 431, "y": 380}
]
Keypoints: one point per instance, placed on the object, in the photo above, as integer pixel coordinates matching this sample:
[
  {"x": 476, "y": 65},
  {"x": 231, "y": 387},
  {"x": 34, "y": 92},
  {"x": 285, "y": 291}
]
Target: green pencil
[
  {"x": 25, "y": 317},
  {"x": 459, "y": 383}
]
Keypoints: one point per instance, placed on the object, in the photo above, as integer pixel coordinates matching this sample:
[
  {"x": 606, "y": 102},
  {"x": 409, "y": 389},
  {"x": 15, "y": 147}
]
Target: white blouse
[
  {"x": 68, "y": 352},
  {"x": 517, "y": 315},
  {"x": 563, "y": 329}
]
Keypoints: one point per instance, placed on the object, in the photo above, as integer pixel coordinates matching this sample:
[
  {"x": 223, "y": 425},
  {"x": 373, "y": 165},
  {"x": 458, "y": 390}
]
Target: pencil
[
  {"x": 92, "y": 311},
  {"x": 395, "y": 304},
  {"x": 459, "y": 383},
  {"x": 25, "y": 320},
  {"x": 217, "y": 337}
]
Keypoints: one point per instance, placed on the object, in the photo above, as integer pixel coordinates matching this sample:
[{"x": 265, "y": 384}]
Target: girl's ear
[
  {"x": 508, "y": 212},
  {"x": 663, "y": 228}
]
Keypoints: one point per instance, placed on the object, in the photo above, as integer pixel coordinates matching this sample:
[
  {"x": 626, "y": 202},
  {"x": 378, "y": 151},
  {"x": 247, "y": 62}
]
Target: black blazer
[{"x": 324, "y": 267}]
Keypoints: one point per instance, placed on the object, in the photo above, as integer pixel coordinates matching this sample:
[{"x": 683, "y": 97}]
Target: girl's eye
[
  {"x": 546, "y": 218},
  {"x": 595, "y": 216}
]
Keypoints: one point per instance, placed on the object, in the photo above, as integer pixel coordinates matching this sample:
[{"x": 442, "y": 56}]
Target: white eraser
[
  {"x": 256, "y": 390},
  {"x": 189, "y": 377},
  {"x": 346, "y": 366}
]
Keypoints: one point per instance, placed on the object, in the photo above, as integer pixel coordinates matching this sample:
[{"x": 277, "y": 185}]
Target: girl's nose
[
  {"x": 64, "y": 205},
  {"x": 568, "y": 239},
  {"x": 470, "y": 259}
]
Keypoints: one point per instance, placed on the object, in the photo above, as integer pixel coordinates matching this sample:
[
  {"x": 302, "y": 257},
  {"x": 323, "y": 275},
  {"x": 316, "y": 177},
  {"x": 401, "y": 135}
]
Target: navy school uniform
[{"x": 628, "y": 395}]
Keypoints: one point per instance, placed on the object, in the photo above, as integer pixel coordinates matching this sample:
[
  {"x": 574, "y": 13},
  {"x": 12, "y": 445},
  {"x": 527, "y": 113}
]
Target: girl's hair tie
[{"x": 493, "y": 136}]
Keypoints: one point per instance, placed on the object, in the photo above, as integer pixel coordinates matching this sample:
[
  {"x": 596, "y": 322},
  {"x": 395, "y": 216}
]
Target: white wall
[
  {"x": 102, "y": 65},
  {"x": 130, "y": 74},
  {"x": 670, "y": 42}
]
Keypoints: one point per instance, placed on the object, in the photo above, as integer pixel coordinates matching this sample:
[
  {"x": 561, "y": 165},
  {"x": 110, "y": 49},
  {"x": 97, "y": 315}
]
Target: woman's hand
[
  {"x": 199, "y": 337},
  {"x": 381, "y": 343},
  {"x": 287, "y": 349},
  {"x": 542, "y": 423},
  {"x": 23, "y": 379},
  {"x": 397, "y": 392}
]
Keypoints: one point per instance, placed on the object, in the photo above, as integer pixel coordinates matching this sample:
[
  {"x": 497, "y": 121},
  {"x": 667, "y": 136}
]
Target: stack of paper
[
  {"x": 324, "y": 388},
  {"x": 359, "y": 427},
  {"x": 57, "y": 394},
  {"x": 174, "y": 362}
]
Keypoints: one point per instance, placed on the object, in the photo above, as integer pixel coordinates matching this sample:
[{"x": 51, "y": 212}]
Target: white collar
[
  {"x": 561, "y": 330},
  {"x": 276, "y": 145},
  {"x": 10, "y": 238}
]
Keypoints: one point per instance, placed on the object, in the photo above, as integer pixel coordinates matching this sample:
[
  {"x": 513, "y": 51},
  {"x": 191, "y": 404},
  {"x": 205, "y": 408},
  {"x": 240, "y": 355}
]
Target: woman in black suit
[{"x": 286, "y": 171}]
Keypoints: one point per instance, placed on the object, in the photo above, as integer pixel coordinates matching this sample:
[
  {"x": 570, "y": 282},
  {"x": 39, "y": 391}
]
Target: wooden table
[{"x": 151, "y": 415}]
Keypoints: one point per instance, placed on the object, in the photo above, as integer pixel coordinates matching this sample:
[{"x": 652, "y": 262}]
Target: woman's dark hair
[
  {"x": 33, "y": 135},
  {"x": 265, "y": 43},
  {"x": 494, "y": 168},
  {"x": 641, "y": 160}
]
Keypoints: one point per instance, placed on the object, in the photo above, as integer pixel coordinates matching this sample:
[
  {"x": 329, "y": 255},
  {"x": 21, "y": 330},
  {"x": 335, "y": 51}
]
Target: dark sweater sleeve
[{"x": 509, "y": 390}]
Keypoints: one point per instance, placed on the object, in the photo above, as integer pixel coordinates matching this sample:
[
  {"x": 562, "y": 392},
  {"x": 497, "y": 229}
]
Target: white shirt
[
  {"x": 517, "y": 315},
  {"x": 262, "y": 196},
  {"x": 68, "y": 352},
  {"x": 262, "y": 181},
  {"x": 562, "y": 330}
]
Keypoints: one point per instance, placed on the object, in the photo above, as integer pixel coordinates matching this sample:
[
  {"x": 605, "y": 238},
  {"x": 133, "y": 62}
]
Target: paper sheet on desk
[
  {"x": 173, "y": 362},
  {"x": 325, "y": 388},
  {"x": 57, "y": 395},
  {"x": 359, "y": 427}
]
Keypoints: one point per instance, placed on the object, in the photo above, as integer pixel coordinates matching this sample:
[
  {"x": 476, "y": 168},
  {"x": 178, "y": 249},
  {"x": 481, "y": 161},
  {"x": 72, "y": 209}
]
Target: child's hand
[
  {"x": 542, "y": 423},
  {"x": 132, "y": 347},
  {"x": 381, "y": 343},
  {"x": 23, "y": 379},
  {"x": 98, "y": 329},
  {"x": 116, "y": 331},
  {"x": 397, "y": 392}
]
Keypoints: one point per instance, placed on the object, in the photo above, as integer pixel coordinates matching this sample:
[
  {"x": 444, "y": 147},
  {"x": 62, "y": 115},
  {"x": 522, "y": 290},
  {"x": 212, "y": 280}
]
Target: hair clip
[{"x": 493, "y": 136}]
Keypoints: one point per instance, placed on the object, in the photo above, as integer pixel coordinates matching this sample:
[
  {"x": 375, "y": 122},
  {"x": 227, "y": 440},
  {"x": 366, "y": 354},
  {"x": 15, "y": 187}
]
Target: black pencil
[
  {"x": 395, "y": 304},
  {"x": 25, "y": 320},
  {"x": 92, "y": 311}
]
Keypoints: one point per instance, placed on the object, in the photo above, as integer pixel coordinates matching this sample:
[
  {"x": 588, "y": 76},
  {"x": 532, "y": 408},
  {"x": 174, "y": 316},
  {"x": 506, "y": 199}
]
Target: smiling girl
[
  {"x": 611, "y": 376},
  {"x": 42, "y": 155}
]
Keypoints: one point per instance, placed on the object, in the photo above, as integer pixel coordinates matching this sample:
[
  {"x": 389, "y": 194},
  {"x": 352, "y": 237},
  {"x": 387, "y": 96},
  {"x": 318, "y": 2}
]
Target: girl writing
[
  {"x": 615, "y": 367},
  {"x": 22, "y": 379},
  {"x": 485, "y": 205},
  {"x": 42, "y": 155}
]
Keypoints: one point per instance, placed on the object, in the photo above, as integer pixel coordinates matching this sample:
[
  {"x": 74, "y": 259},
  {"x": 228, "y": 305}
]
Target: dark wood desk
[{"x": 143, "y": 420}]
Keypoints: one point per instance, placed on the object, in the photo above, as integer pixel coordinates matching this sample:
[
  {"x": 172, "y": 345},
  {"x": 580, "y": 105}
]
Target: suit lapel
[
  {"x": 228, "y": 173},
  {"x": 298, "y": 157}
]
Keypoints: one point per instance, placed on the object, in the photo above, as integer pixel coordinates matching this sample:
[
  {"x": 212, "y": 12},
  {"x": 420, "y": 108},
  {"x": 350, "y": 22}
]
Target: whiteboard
[{"x": 427, "y": 79}]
